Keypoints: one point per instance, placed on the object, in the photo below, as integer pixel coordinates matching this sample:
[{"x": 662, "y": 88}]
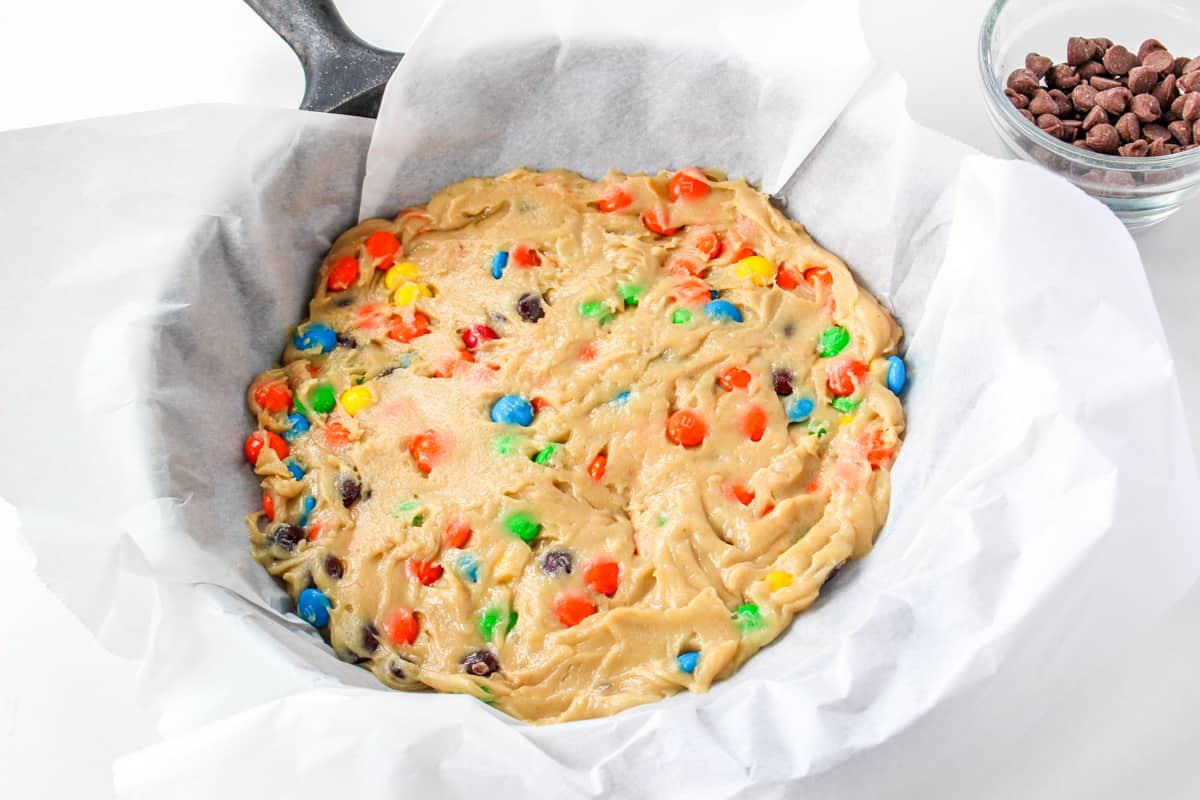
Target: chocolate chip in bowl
[{"x": 1118, "y": 117}]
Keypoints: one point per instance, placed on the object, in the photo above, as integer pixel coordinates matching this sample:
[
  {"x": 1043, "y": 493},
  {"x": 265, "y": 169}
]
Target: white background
[{"x": 67, "y": 707}]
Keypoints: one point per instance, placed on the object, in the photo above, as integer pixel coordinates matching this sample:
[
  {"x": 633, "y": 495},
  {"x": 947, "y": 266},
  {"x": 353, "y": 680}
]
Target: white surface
[{"x": 62, "y": 717}]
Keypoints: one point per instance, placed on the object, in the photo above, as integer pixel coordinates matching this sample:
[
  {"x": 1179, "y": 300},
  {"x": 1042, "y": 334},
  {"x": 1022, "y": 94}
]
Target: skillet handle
[{"x": 342, "y": 73}]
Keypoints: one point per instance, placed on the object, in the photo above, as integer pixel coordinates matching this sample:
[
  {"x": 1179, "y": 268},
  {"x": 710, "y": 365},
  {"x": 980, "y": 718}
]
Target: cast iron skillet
[{"x": 342, "y": 73}]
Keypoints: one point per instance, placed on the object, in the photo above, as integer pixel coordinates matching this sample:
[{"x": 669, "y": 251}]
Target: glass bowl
[{"x": 1140, "y": 191}]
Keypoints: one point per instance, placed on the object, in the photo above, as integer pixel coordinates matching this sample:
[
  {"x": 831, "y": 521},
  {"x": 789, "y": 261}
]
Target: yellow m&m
[
  {"x": 399, "y": 273},
  {"x": 408, "y": 293},
  {"x": 777, "y": 580},
  {"x": 758, "y": 269},
  {"x": 356, "y": 398}
]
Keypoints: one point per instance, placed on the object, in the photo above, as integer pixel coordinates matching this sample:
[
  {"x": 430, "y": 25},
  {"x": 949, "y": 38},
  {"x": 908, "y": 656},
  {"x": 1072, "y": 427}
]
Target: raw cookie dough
[{"x": 571, "y": 446}]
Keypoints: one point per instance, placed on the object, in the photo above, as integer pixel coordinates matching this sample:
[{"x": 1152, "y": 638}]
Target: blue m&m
[
  {"x": 722, "y": 311},
  {"x": 313, "y": 607},
  {"x": 316, "y": 336},
  {"x": 296, "y": 470},
  {"x": 468, "y": 567},
  {"x": 298, "y": 425},
  {"x": 309, "y": 504},
  {"x": 800, "y": 409},
  {"x": 688, "y": 661},
  {"x": 499, "y": 264},
  {"x": 512, "y": 409},
  {"x": 897, "y": 374}
]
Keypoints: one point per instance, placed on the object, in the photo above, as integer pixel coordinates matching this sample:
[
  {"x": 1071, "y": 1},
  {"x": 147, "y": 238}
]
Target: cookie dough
[{"x": 569, "y": 446}]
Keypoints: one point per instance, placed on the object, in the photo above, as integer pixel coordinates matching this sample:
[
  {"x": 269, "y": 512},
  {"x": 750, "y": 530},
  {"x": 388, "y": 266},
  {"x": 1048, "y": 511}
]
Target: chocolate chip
[
  {"x": 1103, "y": 138},
  {"x": 350, "y": 490},
  {"x": 1149, "y": 46},
  {"x": 1182, "y": 131},
  {"x": 557, "y": 562},
  {"x": 1128, "y": 127},
  {"x": 287, "y": 536},
  {"x": 781, "y": 379},
  {"x": 1155, "y": 133},
  {"x": 370, "y": 637},
  {"x": 1083, "y": 97},
  {"x": 1089, "y": 70},
  {"x": 1071, "y": 129},
  {"x": 1191, "y": 66},
  {"x": 1114, "y": 101},
  {"x": 1023, "y": 81},
  {"x": 1024, "y": 112},
  {"x": 529, "y": 306},
  {"x": 1180, "y": 66},
  {"x": 1096, "y": 116},
  {"x": 396, "y": 669},
  {"x": 481, "y": 663},
  {"x": 1118, "y": 60},
  {"x": 1051, "y": 125},
  {"x": 1190, "y": 81},
  {"x": 1101, "y": 83},
  {"x": 1018, "y": 100},
  {"x": 1142, "y": 79},
  {"x": 1159, "y": 147},
  {"x": 1176, "y": 111},
  {"x": 1165, "y": 91},
  {"x": 1102, "y": 43},
  {"x": 1191, "y": 107},
  {"x": 1042, "y": 103},
  {"x": 1160, "y": 61},
  {"x": 334, "y": 567},
  {"x": 1081, "y": 144},
  {"x": 1079, "y": 50},
  {"x": 1062, "y": 76},
  {"x": 347, "y": 341},
  {"x": 1037, "y": 64},
  {"x": 1062, "y": 101},
  {"x": 1135, "y": 149}
]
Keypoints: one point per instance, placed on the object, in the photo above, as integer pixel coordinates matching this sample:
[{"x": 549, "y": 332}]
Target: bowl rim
[{"x": 996, "y": 97}]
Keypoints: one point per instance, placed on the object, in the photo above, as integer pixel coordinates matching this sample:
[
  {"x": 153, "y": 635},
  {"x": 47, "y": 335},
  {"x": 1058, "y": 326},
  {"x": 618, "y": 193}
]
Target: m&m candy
[
  {"x": 425, "y": 572},
  {"x": 722, "y": 311},
  {"x": 307, "y": 507},
  {"x": 754, "y": 422},
  {"x": 296, "y": 471},
  {"x": 298, "y": 425},
  {"x": 401, "y": 626},
  {"x": 408, "y": 293},
  {"x": 426, "y": 449},
  {"x": 356, "y": 398},
  {"x": 458, "y": 531},
  {"x": 688, "y": 185},
  {"x": 733, "y": 378},
  {"x": 322, "y": 399},
  {"x": 897, "y": 374},
  {"x": 597, "y": 466},
  {"x": 614, "y": 198},
  {"x": 844, "y": 376},
  {"x": 383, "y": 247},
  {"x": 273, "y": 396},
  {"x": 833, "y": 341},
  {"x": 686, "y": 428},
  {"x": 499, "y": 264},
  {"x": 313, "y": 607},
  {"x": 759, "y": 270},
  {"x": 522, "y": 525},
  {"x": 681, "y": 316},
  {"x": 655, "y": 220},
  {"x": 398, "y": 274},
  {"x": 512, "y": 409},
  {"x": 602, "y": 576},
  {"x": 748, "y": 618},
  {"x": 468, "y": 567},
  {"x": 799, "y": 409},
  {"x": 687, "y": 661},
  {"x": 572, "y": 609},
  {"x": 342, "y": 274},
  {"x": 315, "y": 336},
  {"x": 258, "y": 439},
  {"x": 525, "y": 256}
]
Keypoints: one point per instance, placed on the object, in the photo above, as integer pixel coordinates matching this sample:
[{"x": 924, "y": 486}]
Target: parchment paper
[{"x": 1041, "y": 506}]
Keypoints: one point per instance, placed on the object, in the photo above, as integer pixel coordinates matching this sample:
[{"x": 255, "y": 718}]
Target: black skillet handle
[{"x": 342, "y": 73}]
